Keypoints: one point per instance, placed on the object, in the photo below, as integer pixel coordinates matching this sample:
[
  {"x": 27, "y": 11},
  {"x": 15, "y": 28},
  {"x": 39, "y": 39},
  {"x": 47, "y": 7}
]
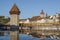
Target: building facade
[{"x": 43, "y": 24}]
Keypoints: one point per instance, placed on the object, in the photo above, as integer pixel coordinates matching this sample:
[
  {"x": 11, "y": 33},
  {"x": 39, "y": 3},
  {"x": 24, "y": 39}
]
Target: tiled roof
[
  {"x": 14, "y": 9},
  {"x": 22, "y": 19},
  {"x": 35, "y": 18}
]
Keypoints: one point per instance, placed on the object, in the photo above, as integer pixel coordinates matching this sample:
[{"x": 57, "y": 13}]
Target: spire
[
  {"x": 46, "y": 14},
  {"x": 14, "y": 10},
  {"x": 42, "y": 12}
]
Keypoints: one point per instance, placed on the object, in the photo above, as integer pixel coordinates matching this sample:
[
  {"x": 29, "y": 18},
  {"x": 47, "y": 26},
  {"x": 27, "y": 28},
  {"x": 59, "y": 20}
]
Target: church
[{"x": 43, "y": 24}]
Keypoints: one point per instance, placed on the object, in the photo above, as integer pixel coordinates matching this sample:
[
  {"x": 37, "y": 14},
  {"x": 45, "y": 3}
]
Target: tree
[{"x": 4, "y": 20}]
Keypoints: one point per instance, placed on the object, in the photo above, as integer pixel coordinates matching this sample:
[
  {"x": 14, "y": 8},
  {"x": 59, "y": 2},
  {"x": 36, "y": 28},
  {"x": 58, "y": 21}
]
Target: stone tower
[
  {"x": 14, "y": 18},
  {"x": 42, "y": 14},
  {"x": 46, "y": 15}
]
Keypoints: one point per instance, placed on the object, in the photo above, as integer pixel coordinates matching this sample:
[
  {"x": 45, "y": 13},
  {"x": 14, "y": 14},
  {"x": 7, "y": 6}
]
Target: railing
[{"x": 9, "y": 28}]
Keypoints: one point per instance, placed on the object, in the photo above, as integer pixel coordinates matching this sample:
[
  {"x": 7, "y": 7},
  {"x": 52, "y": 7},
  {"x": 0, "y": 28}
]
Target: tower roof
[
  {"x": 14, "y": 10},
  {"x": 46, "y": 14},
  {"x": 42, "y": 12}
]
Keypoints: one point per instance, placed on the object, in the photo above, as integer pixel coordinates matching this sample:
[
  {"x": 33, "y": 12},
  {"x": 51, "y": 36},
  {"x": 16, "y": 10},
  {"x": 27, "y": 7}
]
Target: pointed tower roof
[
  {"x": 14, "y": 10},
  {"x": 42, "y": 12},
  {"x": 46, "y": 14}
]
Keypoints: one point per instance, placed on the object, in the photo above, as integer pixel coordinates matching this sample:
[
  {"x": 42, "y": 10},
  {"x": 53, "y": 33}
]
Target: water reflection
[{"x": 24, "y": 37}]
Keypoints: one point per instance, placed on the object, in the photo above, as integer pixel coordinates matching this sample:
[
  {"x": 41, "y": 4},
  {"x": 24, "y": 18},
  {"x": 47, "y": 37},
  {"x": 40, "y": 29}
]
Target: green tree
[{"x": 4, "y": 20}]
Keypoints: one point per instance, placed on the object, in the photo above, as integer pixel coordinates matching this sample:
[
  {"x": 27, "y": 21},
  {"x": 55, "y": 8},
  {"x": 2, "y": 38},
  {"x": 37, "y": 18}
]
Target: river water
[{"x": 24, "y": 37}]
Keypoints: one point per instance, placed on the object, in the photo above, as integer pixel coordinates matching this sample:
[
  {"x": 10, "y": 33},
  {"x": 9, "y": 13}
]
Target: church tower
[
  {"x": 46, "y": 15},
  {"x": 42, "y": 14},
  {"x": 14, "y": 20}
]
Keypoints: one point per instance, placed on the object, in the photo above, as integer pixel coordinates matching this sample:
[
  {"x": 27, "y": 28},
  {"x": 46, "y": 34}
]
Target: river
[{"x": 24, "y": 37}]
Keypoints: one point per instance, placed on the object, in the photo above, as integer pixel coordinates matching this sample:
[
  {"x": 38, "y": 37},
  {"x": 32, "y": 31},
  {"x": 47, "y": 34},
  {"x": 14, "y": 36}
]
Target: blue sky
[{"x": 30, "y": 8}]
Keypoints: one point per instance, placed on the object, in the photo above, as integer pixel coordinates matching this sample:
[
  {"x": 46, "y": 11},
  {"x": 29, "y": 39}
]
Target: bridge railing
[{"x": 9, "y": 28}]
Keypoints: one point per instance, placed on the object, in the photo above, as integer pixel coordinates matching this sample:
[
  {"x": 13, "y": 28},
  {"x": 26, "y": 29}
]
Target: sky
[{"x": 30, "y": 8}]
